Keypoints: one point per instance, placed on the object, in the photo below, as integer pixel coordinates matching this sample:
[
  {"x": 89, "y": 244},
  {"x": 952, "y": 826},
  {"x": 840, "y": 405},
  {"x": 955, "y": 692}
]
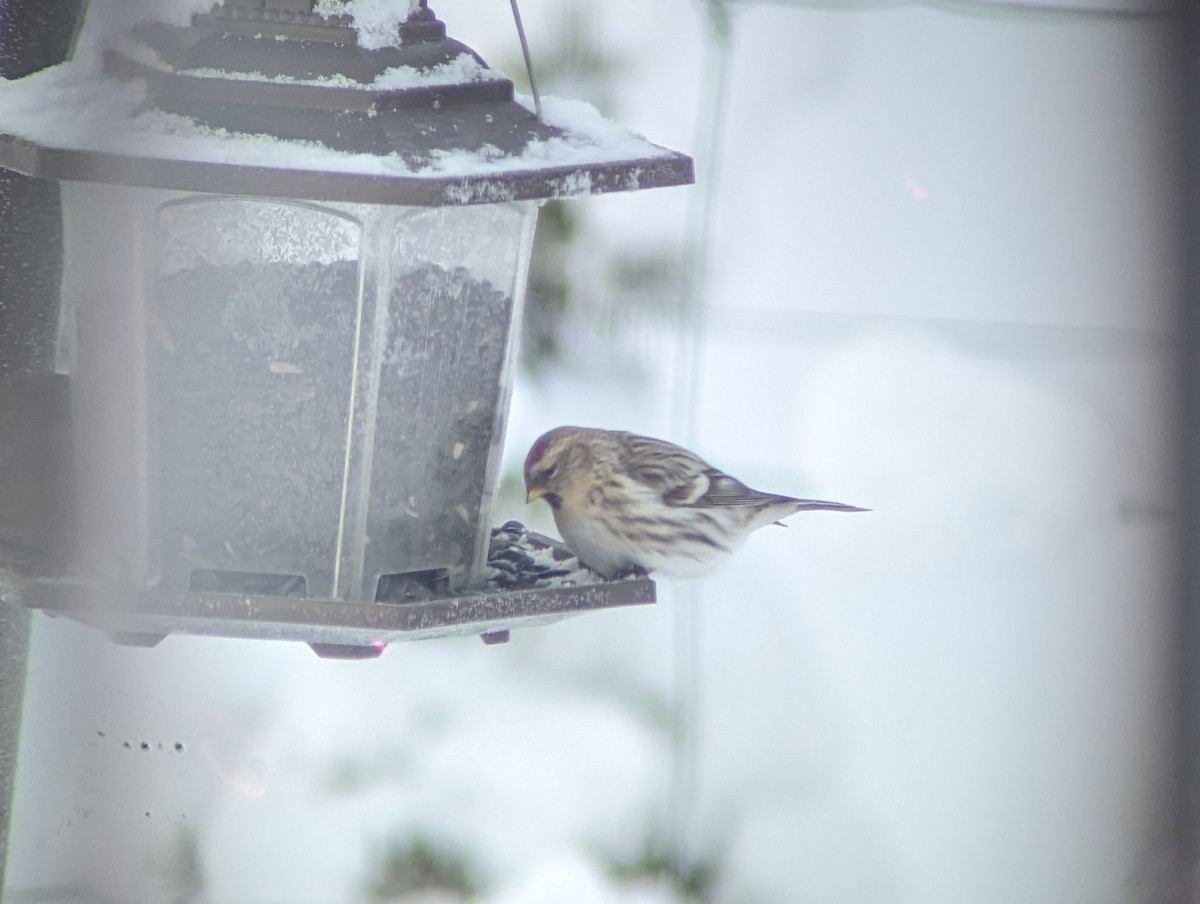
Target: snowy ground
[{"x": 941, "y": 287}]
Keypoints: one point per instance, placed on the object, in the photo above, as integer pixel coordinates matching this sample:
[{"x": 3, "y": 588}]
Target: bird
[{"x": 627, "y": 504}]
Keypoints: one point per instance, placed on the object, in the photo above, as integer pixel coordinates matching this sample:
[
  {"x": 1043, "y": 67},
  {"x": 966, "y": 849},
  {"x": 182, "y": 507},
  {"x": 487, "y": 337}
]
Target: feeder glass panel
[{"x": 288, "y": 398}]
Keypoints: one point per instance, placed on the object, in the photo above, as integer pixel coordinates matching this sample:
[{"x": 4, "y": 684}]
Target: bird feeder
[{"x": 293, "y": 275}]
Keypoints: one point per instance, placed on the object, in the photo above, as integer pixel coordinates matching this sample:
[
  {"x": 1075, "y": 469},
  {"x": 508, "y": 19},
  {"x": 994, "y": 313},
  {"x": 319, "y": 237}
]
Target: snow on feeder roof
[
  {"x": 296, "y": 263},
  {"x": 422, "y": 123}
]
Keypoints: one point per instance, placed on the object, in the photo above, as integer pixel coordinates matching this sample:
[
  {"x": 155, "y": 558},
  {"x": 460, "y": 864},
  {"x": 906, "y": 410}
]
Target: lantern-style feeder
[{"x": 294, "y": 269}]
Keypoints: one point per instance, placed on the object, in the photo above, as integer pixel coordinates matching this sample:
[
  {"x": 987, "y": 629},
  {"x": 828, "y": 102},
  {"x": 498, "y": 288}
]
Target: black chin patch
[{"x": 554, "y": 499}]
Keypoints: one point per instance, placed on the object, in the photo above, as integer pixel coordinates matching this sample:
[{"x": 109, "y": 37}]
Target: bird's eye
[{"x": 549, "y": 472}]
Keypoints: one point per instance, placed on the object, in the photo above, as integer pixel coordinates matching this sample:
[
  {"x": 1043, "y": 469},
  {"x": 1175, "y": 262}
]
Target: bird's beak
[{"x": 534, "y": 494}]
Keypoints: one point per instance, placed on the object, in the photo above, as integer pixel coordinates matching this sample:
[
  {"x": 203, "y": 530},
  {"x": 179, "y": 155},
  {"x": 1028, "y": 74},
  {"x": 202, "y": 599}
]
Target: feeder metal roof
[{"x": 289, "y": 105}]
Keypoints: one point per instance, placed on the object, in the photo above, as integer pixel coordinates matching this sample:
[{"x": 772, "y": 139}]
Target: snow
[
  {"x": 376, "y": 21},
  {"x": 569, "y": 876},
  {"x": 450, "y": 754},
  {"x": 463, "y": 69},
  {"x": 107, "y": 21},
  {"x": 75, "y": 106},
  {"x": 64, "y": 106}
]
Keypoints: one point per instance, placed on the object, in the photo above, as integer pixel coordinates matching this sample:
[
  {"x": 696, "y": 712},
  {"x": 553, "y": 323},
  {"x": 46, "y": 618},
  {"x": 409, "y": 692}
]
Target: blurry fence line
[{"x": 686, "y": 626}]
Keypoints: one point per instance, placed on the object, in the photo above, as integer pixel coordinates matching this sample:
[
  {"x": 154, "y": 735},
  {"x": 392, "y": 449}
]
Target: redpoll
[{"x": 627, "y": 503}]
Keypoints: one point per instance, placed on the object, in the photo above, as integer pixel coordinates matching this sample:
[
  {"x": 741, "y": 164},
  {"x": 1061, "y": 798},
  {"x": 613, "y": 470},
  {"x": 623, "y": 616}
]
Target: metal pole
[
  {"x": 14, "y": 653},
  {"x": 1187, "y": 665}
]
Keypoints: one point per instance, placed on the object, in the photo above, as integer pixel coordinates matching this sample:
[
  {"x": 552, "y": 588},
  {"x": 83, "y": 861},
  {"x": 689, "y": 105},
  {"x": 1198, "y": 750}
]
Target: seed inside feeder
[{"x": 252, "y": 466}]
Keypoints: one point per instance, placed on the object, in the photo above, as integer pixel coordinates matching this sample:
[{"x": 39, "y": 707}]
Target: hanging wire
[
  {"x": 537, "y": 98},
  {"x": 686, "y": 627}
]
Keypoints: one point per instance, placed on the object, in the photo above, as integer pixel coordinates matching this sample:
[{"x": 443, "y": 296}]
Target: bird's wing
[
  {"x": 725, "y": 490},
  {"x": 669, "y": 470},
  {"x": 681, "y": 478}
]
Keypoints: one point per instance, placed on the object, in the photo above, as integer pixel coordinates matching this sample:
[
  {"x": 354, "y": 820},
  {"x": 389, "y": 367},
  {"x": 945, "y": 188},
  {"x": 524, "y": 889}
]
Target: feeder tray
[{"x": 533, "y": 581}]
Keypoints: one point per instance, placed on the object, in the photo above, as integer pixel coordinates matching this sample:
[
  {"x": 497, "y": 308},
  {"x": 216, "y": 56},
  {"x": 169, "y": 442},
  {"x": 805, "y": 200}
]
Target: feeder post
[{"x": 33, "y": 34}]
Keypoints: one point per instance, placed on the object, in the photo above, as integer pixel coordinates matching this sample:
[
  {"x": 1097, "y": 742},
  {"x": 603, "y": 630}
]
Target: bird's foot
[{"x": 634, "y": 571}]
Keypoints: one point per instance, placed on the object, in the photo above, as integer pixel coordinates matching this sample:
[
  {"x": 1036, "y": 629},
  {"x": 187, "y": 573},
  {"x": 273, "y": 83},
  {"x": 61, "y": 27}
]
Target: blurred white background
[{"x": 939, "y": 281}]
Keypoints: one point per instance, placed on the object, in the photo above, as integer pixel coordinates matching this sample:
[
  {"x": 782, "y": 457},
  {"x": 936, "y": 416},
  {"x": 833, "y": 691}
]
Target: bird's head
[{"x": 548, "y": 465}]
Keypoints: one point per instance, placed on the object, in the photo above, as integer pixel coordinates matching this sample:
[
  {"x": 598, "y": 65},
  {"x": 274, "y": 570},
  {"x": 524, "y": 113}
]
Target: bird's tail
[
  {"x": 786, "y": 506},
  {"x": 820, "y": 505}
]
